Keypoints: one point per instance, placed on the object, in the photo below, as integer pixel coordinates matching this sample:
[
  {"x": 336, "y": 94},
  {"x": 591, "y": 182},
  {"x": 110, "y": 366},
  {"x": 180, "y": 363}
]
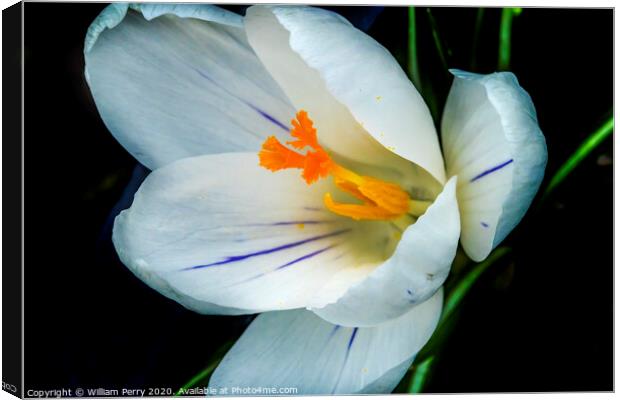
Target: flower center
[{"x": 380, "y": 200}]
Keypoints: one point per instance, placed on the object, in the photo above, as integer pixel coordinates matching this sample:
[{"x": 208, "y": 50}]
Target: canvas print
[{"x": 290, "y": 200}]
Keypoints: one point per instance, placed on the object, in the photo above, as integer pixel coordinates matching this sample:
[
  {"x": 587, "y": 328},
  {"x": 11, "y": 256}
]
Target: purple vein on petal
[
  {"x": 288, "y": 264},
  {"x": 307, "y": 256},
  {"x": 484, "y": 224},
  {"x": 307, "y": 222},
  {"x": 346, "y": 358},
  {"x": 267, "y": 116},
  {"x": 491, "y": 170},
  {"x": 242, "y": 257},
  {"x": 264, "y": 114},
  {"x": 351, "y": 340},
  {"x": 334, "y": 330}
]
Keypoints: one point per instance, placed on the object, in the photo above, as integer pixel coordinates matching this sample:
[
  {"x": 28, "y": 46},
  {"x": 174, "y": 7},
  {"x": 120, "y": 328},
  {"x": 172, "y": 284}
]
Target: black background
[{"x": 540, "y": 322}]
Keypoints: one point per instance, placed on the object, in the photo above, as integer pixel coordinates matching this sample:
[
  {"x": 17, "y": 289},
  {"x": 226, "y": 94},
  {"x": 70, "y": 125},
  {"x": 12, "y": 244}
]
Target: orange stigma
[{"x": 380, "y": 200}]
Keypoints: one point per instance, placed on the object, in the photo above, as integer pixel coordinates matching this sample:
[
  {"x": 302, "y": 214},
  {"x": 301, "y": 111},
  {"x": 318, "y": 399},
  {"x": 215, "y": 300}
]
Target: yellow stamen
[{"x": 380, "y": 200}]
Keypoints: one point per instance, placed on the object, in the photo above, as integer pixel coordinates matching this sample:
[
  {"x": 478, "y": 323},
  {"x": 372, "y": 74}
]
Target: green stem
[
  {"x": 593, "y": 140},
  {"x": 477, "y": 29},
  {"x": 420, "y": 375},
  {"x": 462, "y": 288},
  {"x": 505, "y": 33},
  {"x": 204, "y": 374},
  {"x": 426, "y": 357},
  {"x": 412, "y": 64},
  {"x": 437, "y": 40}
]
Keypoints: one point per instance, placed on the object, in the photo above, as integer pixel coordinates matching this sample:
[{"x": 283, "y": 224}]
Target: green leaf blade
[
  {"x": 584, "y": 149},
  {"x": 201, "y": 379},
  {"x": 456, "y": 296},
  {"x": 425, "y": 359},
  {"x": 476, "y": 39},
  {"x": 412, "y": 60},
  {"x": 420, "y": 375},
  {"x": 439, "y": 44},
  {"x": 505, "y": 37}
]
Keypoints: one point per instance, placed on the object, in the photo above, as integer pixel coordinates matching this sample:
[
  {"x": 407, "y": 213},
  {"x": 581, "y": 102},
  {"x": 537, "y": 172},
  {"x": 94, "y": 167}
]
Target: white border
[{"x": 486, "y": 3}]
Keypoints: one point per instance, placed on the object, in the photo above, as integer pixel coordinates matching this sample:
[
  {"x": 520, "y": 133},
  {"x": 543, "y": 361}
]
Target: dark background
[{"x": 540, "y": 321}]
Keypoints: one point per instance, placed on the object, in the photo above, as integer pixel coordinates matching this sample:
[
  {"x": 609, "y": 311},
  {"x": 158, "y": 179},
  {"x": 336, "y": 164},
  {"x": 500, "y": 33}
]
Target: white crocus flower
[{"x": 350, "y": 289}]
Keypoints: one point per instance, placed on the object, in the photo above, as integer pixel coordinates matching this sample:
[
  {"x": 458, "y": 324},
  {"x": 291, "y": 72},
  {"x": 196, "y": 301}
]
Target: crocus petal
[
  {"x": 297, "y": 349},
  {"x": 418, "y": 267},
  {"x": 217, "y": 229},
  {"x": 492, "y": 141},
  {"x": 174, "y": 81},
  {"x": 356, "y": 91}
]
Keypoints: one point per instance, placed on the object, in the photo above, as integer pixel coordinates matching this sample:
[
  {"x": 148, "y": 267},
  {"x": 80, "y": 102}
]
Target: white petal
[
  {"x": 114, "y": 13},
  {"x": 297, "y": 349},
  {"x": 418, "y": 267},
  {"x": 349, "y": 83},
  {"x": 492, "y": 141},
  {"x": 218, "y": 229},
  {"x": 181, "y": 80}
]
